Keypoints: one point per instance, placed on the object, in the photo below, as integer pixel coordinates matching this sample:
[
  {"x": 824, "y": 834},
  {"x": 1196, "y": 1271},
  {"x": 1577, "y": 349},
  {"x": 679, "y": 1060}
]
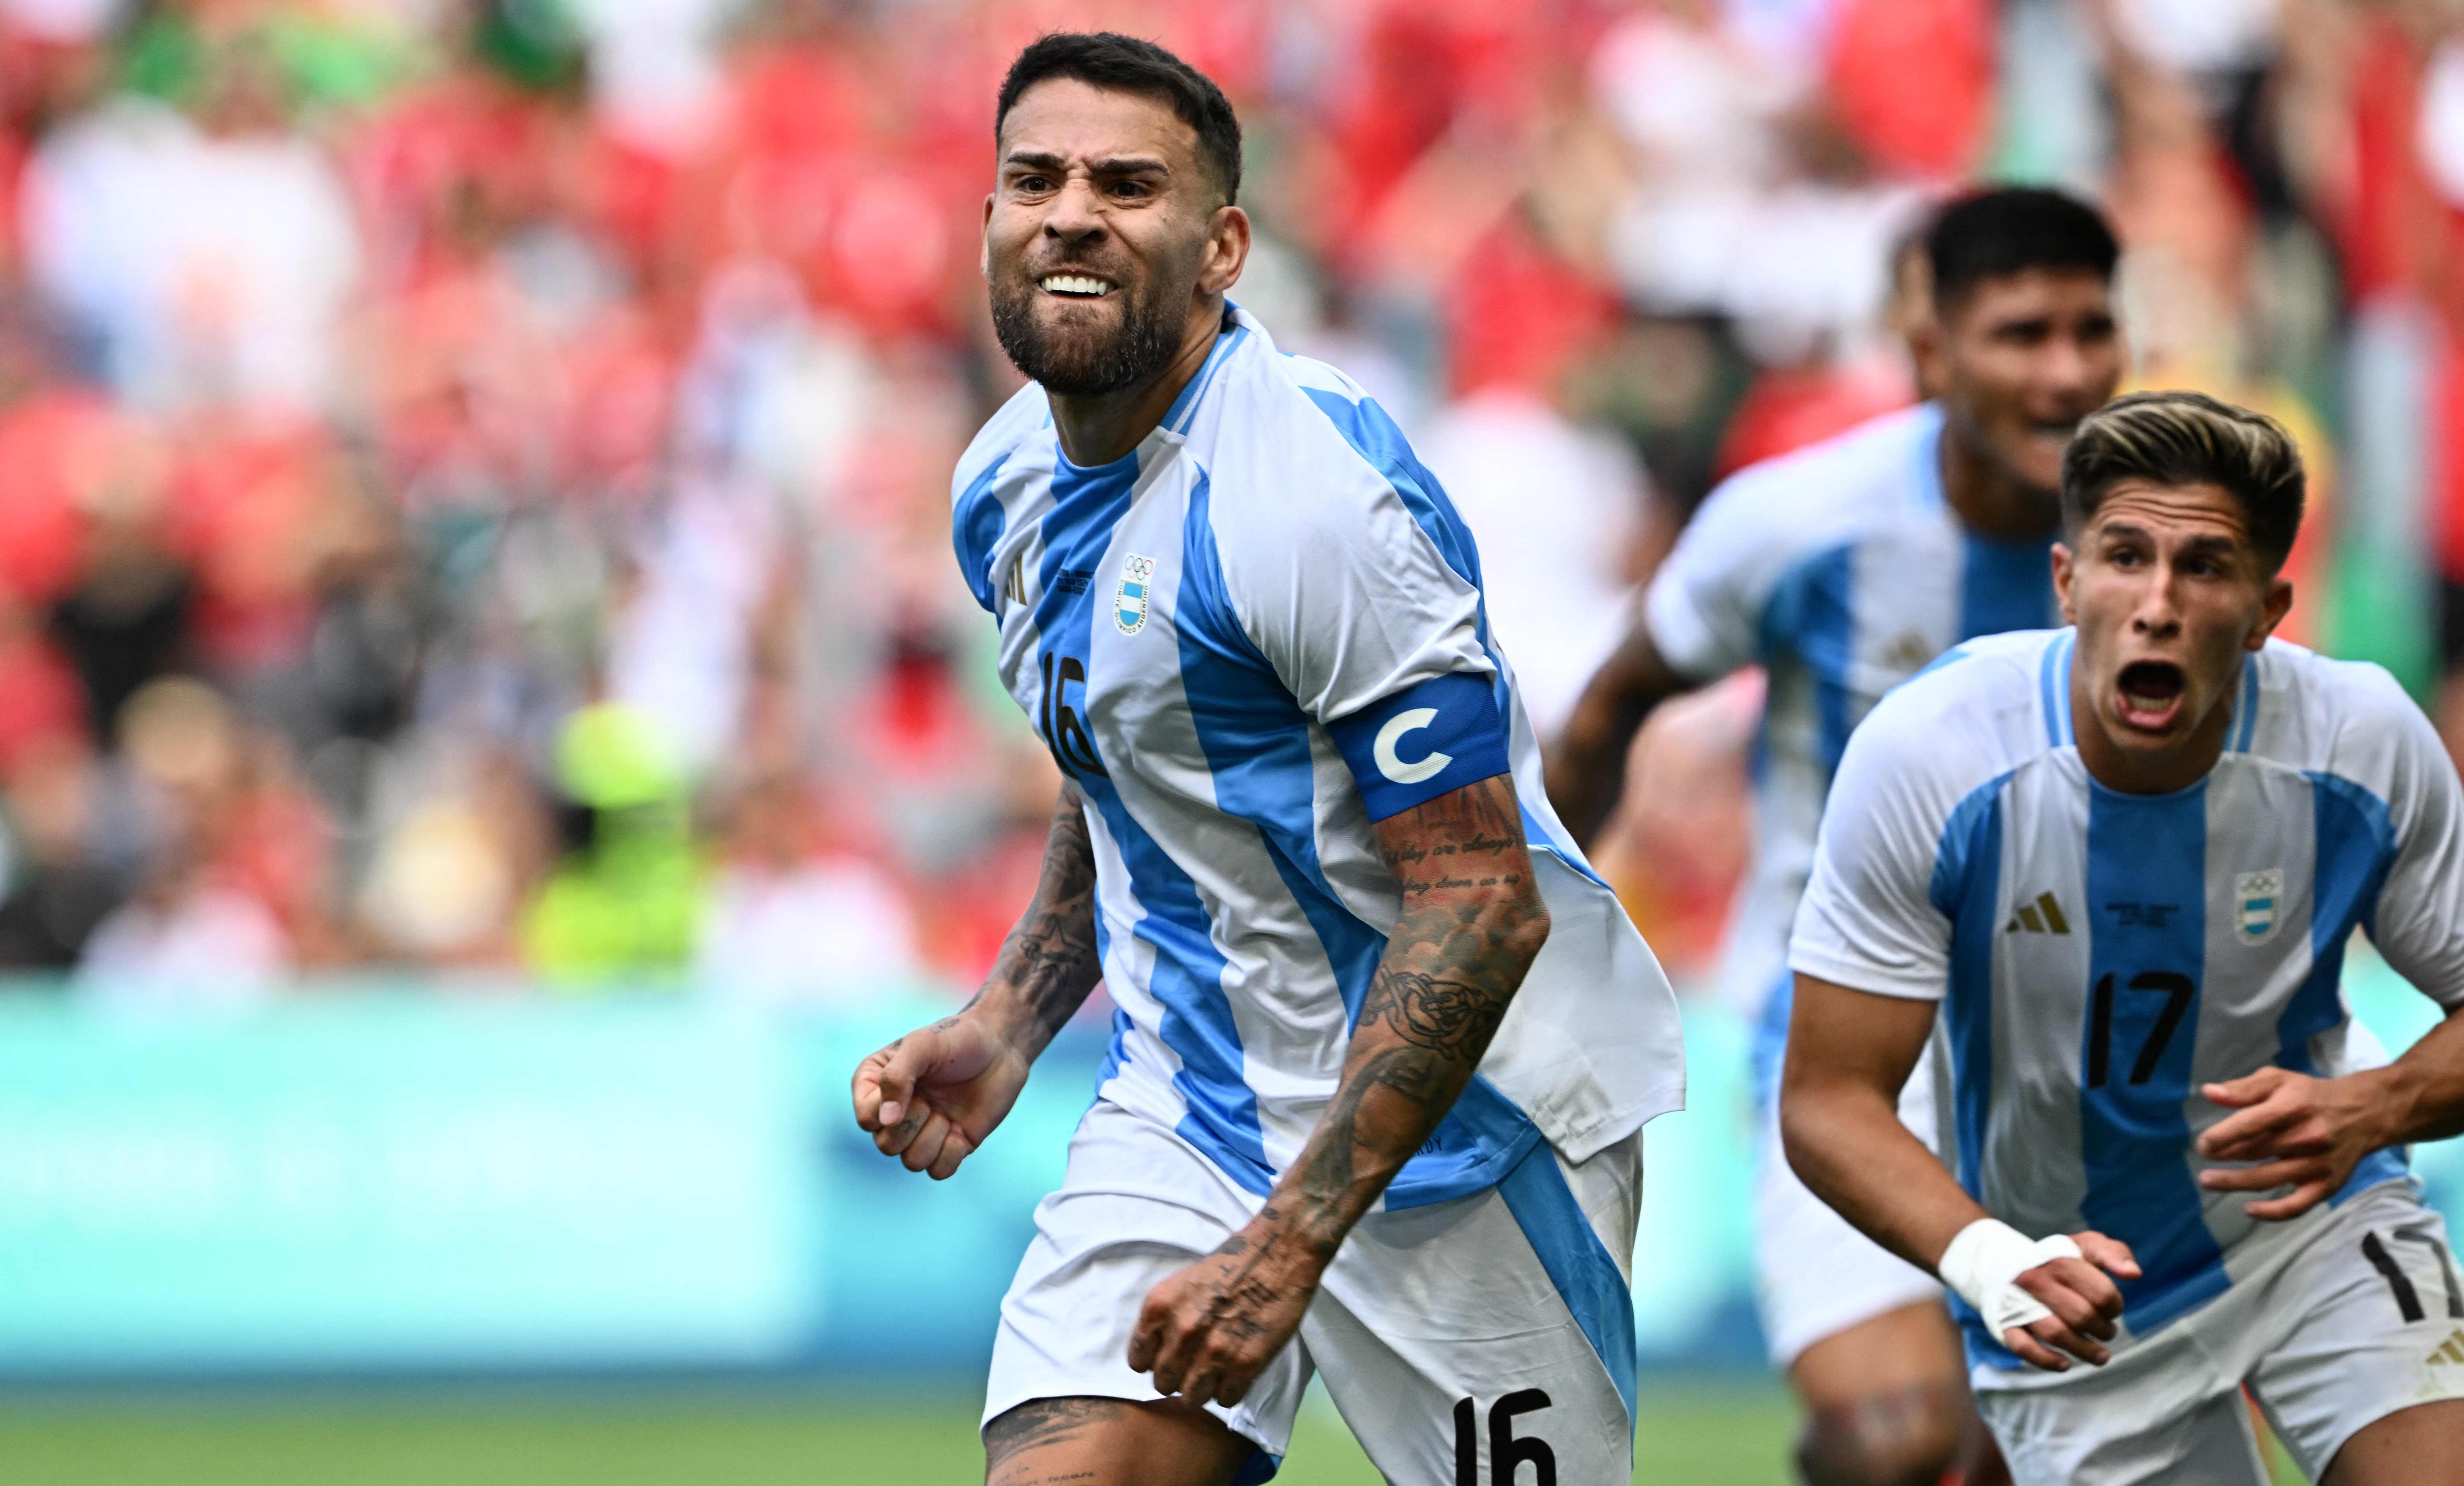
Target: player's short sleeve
[
  {"x": 1371, "y": 627},
  {"x": 1872, "y": 918},
  {"x": 1703, "y": 607},
  {"x": 978, "y": 518},
  {"x": 2418, "y": 922}
]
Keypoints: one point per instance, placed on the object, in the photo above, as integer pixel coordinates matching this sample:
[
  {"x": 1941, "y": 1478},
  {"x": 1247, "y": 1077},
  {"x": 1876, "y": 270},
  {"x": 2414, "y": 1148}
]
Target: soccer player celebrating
[
  {"x": 2125, "y": 860},
  {"x": 1844, "y": 569},
  {"x": 1384, "y": 1045}
]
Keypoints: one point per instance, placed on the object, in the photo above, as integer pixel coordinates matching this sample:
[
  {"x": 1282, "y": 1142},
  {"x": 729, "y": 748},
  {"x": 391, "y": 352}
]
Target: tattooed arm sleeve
[
  {"x": 1047, "y": 966},
  {"x": 1472, "y": 923}
]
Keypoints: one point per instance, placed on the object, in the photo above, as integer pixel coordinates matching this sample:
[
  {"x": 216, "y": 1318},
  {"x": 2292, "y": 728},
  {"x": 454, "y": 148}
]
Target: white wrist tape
[{"x": 1984, "y": 1264}]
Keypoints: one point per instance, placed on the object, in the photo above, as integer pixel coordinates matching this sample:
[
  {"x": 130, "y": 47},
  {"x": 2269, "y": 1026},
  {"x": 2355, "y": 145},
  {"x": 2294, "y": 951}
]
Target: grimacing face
[
  {"x": 2169, "y": 593},
  {"x": 1098, "y": 236},
  {"x": 2018, "y": 359}
]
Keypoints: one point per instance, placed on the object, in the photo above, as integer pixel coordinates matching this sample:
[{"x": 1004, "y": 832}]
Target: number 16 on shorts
[{"x": 1506, "y": 1453}]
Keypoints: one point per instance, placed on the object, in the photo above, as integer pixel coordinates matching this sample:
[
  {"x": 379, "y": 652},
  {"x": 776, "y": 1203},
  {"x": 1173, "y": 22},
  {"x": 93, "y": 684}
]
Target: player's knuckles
[
  {"x": 2095, "y": 1289},
  {"x": 925, "y": 1146},
  {"x": 2064, "y": 1338},
  {"x": 2076, "y": 1311}
]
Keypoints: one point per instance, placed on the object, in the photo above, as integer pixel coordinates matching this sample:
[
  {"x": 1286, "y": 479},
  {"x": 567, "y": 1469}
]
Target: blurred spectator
[
  {"x": 623, "y": 900},
  {"x": 473, "y": 474},
  {"x": 791, "y": 917},
  {"x": 1557, "y": 509},
  {"x": 129, "y": 615},
  {"x": 207, "y": 250},
  {"x": 58, "y": 889},
  {"x": 203, "y": 927}
]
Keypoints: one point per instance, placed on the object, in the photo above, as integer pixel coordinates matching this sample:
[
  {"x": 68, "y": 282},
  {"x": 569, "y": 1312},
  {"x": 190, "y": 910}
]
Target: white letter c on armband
[{"x": 1389, "y": 735}]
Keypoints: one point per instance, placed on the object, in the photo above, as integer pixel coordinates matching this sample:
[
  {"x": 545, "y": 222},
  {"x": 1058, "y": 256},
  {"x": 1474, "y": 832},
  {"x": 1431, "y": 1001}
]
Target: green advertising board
[{"x": 355, "y": 1183}]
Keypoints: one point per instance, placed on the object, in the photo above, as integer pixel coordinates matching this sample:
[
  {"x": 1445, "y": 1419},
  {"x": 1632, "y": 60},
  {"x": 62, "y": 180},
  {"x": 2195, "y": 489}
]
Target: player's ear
[
  {"x": 1228, "y": 243},
  {"x": 2063, "y": 568},
  {"x": 984, "y": 242},
  {"x": 1926, "y": 350},
  {"x": 2272, "y": 610}
]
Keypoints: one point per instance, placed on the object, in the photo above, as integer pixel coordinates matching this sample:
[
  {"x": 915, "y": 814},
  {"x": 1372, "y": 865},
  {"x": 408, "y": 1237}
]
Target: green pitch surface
[
  {"x": 1689, "y": 1435},
  {"x": 1719, "y": 1436}
]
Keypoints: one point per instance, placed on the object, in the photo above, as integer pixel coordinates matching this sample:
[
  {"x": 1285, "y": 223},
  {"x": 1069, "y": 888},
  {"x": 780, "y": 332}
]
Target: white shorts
[
  {"x": 2332, "y": 1327},
  {"x": 1814, "y": 1275},
  {"x": 1507, "y": 1301}
]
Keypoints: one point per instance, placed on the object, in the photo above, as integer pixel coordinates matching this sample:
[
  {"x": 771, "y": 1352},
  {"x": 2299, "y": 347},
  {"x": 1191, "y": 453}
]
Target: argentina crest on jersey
[
  {"x": 1130, "y": 603},
  {"x": 2255, "y": 898}
]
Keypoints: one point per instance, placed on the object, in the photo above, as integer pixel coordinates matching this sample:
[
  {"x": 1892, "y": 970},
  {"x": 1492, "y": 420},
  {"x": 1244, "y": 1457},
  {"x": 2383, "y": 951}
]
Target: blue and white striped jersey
[
  {"x": 1246, "y": 641},
  {"x": 2102, "y": 955},
  {"x": 1842, "y": 570}
]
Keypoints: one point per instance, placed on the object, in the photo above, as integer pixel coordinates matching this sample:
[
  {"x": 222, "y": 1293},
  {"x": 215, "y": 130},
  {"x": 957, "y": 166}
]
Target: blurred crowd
[{"x": 474, "y": 473}]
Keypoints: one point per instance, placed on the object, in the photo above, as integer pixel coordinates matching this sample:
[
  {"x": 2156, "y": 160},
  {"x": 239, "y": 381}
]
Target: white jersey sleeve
[
  {"x": 1869, "y": 921},
  {"x": 1899, "y": 825},
  {"x": 1372, "y": 627},
  {"x": 2419, "y": 922},
  {"x": 1703, "y": 609}
]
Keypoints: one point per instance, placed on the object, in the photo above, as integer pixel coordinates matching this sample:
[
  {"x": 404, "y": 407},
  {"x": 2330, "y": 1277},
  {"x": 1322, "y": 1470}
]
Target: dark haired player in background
[
  {"x": 1844, "y": 569},
  {"x": 2124, "y": 861},
  {"x": 1305, "y": 844}
]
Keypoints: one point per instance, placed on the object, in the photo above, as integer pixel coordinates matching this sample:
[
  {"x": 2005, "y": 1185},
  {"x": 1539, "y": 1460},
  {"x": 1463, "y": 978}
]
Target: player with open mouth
[{"x": 2116, "y": 867}]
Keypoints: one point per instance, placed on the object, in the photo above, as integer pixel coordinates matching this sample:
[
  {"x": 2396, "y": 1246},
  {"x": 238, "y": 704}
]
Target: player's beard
[{"x": 1087, "y": 362}]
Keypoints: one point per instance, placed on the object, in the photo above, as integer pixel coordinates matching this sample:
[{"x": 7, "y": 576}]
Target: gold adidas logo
[
  {"x": 2450, "y": 1350},
  {"x": 2044, "y": 916}
]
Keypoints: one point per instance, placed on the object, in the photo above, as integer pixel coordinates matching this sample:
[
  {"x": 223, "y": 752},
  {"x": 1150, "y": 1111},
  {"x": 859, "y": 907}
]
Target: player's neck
[
  {"x": 1987, "y": 498},
  {"x": 2129, "y": 772},
  {"x": 1099, "y": 429}
]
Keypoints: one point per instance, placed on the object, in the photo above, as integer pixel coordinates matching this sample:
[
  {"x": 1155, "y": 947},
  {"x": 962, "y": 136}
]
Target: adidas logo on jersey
[
  {"x": 2451, "y": 1352},
  {"x": 2044, "y": 916}
]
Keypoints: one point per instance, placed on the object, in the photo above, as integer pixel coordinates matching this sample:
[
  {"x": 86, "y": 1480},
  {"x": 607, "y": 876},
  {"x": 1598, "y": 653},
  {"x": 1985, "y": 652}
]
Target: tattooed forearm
[
  {"x": 1048, "y": 965},
  {"x": 1472, "y": 923}
]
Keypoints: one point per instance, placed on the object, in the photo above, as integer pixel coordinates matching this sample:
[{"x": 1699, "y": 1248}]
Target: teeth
[{"x": 1075, "y": 284}]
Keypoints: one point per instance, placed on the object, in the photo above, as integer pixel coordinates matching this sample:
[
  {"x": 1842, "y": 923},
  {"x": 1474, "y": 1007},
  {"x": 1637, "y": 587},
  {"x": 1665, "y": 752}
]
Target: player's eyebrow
[
  {"x": 1110, "y": 165},
  {"x": 2204, "y": 544}
]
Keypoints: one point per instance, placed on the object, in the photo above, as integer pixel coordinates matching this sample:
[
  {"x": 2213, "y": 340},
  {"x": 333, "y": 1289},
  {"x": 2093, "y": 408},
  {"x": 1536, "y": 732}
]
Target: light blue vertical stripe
[
  {"x": 2356, "y": 845},
  {"x": 2003, "y": 586},
  {"x": 2054, "y": 689},
  {"x": 1187, "y": 979},
  {"x": 1812, "y": 615},
  {"x": 1257, "y": 745},
  {"x": 2246, "y": 708},
  {"x": 2147, "y": 916},
  {"x": 1966, "y": 890},
  {"x": 976, "y": 528},
  {"x": 1185, "y": 405},
  {"x": 1578, "y": 1264}
]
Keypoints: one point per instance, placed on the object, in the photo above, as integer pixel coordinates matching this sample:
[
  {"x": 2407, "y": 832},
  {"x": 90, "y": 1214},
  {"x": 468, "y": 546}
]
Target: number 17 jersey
[{"x": 2100, "y": 957}]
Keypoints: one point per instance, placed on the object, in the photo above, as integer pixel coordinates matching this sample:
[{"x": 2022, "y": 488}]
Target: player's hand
[
  {"x": 1209, "y": 1330},
  {"x": 2083, "y": 1300},
  {"x": 2294, "y": 1130},
  {"x": 931, "y": 1097}
]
